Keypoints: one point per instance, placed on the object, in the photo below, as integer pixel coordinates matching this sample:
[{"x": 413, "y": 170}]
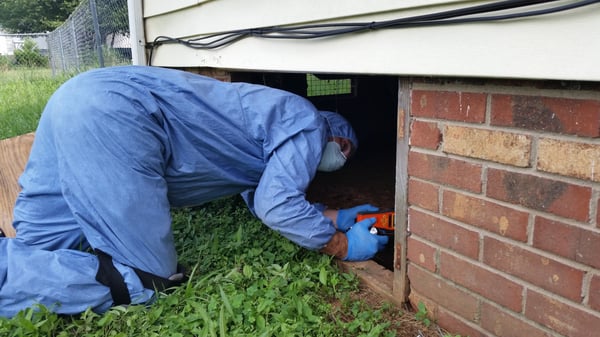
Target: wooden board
[
  {"x": 374, "y": 276},
  {"x": 14, "y": 153}
]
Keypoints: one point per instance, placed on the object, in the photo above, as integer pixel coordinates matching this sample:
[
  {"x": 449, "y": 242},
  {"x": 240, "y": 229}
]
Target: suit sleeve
[{"x": 280, "y": 197}]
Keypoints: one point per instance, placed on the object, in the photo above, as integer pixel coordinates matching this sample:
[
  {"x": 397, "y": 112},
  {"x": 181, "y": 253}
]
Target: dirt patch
[
  {"x": 403, "y": 320},
  {"x": 370, "y": 179}
]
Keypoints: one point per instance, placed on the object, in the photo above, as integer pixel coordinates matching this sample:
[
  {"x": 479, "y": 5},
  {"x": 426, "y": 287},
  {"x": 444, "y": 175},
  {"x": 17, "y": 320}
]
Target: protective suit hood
[{"x": 339, "y": 127}]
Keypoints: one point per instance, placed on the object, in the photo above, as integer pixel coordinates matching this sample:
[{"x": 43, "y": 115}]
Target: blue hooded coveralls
[{"x": 117, "y": 147}]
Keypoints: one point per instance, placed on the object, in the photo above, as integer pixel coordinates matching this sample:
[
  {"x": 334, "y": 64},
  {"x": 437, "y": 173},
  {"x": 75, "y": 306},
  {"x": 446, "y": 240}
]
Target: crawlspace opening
[{"x": 370, "y": 104}]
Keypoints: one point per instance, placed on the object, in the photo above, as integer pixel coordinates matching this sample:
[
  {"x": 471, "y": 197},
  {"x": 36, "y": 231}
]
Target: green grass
[
  {"x": 246, "y": 281},
  {"x": 23, "y": 95}
]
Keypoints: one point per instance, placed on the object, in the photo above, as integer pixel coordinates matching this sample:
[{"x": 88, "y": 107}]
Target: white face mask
[{"x": 333, "y": 158}]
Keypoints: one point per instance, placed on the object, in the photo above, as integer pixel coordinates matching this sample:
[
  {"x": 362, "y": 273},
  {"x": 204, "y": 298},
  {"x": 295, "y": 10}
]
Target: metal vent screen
[{"x": 326, "y": 87}]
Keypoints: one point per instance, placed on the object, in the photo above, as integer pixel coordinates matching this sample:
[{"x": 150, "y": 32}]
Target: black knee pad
[{"x": 109, "y": 276}]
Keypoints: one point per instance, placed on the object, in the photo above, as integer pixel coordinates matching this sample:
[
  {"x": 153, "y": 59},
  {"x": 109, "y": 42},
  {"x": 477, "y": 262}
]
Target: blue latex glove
[
  {"x": 362, "y": 245},
  {"x": 347, "y": 217}
]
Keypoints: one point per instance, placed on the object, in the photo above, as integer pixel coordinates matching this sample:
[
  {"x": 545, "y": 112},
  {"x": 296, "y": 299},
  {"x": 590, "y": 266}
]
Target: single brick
[
  {"x": 444, "y": 293},
  {"x": 432, "y": 307},
  {"x": 446, "y": 171},
  {"x": 444, "y": 233},
  {"x": 578, "y": 160},
  {"x": 501, "y": 324},
  {"x": 564, "y": 318},
  {"x": 497, "y": 146},
  {"x": 473, "y": 277},
  {"x": 579, "y": 117},
  {"x": 422, "y": 254},
  {"x": 594, "y": 294},
  {"x": 539, "y": 270},
  {"x": 449, "y": 105},
  {"x": 423, "y": 194},
  {"x": 425, "y": 134},
  {"x": 547, "y": 195},
  {"x": 568, "y": 241},
  {"x": 487, "y": 215},
  {"x": 458, "y": 325}
]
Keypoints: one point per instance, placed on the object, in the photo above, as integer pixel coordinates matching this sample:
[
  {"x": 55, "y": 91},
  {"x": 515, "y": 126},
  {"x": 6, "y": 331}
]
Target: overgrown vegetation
[
  {"x": 29, "y": 55},
  {"x": 23, "y": 95},
  {"x": 422, "y": 314},
  {"x": 246, "y": 281}
]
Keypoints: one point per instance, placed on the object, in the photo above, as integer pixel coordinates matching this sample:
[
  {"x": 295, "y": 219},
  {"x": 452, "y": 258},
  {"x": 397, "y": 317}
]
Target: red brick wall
[{"x": 504, "y": 198}]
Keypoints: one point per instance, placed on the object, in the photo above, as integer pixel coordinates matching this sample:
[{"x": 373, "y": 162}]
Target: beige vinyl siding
[{"x": 563, "y": 46}]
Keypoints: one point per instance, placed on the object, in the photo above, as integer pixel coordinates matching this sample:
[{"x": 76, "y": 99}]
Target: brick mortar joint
[
  {"x": 585, "y": 287},
  {"x": 594, "y": 200},
  {"x": 534, "y": 153},
  {"x": 530, "y": 228}
]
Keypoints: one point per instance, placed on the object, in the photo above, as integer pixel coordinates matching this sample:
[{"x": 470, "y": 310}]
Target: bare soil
[{"x": 402, "y": 321}]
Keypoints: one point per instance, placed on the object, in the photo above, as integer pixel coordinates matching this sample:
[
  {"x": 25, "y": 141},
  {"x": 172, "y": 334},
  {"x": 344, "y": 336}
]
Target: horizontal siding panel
[
  {"x": 154, "y": 8},
  {"x": 217, "y": 16}
]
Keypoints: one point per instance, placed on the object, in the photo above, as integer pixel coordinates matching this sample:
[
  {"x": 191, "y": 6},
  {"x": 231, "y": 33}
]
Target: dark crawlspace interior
[{"x": 370, "y": 103}]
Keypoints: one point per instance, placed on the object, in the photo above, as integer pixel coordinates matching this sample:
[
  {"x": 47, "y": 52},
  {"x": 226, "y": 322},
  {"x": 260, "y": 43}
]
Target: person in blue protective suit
[{"x": 117, "y": 147}]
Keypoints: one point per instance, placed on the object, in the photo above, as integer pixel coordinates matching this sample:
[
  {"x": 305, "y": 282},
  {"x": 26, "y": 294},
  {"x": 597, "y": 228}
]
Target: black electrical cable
[
  {"x": 432, "y": 18},
  {"x": 313, "y": 31}
]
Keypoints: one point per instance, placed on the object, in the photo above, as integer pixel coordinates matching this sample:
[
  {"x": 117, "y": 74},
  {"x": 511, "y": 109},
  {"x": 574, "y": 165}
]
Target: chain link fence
[{"x": 95, "y": 35}]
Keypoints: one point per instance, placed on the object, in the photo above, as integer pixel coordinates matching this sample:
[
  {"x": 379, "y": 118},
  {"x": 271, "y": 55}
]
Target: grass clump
[
  {"x": 246, "y": 280},
  {"x": 23, "y": 95}
]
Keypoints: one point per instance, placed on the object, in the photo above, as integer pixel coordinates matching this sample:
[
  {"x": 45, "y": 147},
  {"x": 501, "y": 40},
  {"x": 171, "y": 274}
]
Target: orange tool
[{"x": 384, "y": 221}]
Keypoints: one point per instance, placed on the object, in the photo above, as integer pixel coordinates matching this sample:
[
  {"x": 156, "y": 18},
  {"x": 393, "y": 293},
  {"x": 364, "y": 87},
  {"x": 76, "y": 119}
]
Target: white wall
[
  {"x": 3, "y": 45},
  {"x": 4, "y": 40}
]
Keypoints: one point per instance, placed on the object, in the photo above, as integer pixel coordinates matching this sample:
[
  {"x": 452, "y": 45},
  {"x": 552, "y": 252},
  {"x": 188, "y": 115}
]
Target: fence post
[
  {"x": 51, "y": 56},
  {"x": 75, "y": 45},
  {"x": 97, "y": 32},
  {"x": 62, "y": 51},
  {"x": 136, "y": 32}
]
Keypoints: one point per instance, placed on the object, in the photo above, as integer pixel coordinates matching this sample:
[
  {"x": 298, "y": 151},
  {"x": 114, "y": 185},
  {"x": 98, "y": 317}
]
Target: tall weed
[{"x": 23, "y": 95}]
